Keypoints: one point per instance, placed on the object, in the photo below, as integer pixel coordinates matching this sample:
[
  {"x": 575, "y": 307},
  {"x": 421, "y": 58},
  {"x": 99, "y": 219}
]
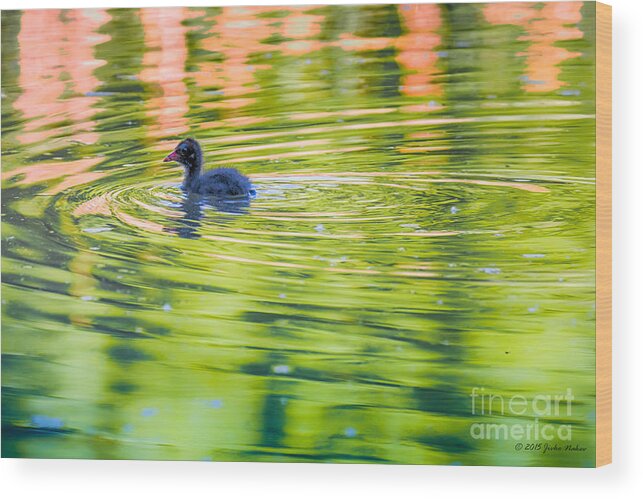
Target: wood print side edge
[{"x": 603, "y": 234}]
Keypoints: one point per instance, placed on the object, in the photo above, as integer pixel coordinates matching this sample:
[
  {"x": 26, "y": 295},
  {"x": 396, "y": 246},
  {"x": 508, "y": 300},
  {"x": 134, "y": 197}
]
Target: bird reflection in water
[{"x": 194, "y": 206}]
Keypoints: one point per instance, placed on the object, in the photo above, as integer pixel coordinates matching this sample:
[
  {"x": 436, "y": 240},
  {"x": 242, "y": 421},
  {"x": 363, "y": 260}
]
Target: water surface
[{"x": 423, "y": 226}]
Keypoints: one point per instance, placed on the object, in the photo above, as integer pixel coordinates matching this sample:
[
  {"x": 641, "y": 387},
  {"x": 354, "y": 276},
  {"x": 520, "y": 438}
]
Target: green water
[{"x": 423, "y": 230}]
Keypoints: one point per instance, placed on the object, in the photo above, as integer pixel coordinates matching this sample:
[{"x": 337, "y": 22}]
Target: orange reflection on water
[
  {"x": 544, "y": 27},
  {"x": 236, "y": 34},
  {"x": 71, "y": 173},
  {"x": 56, "y": 56},
  {"x": 164, "y": 65},
  {"x": 417, "y": 48},
  {"x": 298, "y": 25}
]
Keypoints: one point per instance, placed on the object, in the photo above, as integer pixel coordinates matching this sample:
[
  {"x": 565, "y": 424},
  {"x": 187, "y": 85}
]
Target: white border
[{"x": 116, "y": 479}]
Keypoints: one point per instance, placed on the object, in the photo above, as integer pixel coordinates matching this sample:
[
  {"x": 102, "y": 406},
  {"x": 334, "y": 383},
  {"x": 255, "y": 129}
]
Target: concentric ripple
[{"x": 298, "y": 211}]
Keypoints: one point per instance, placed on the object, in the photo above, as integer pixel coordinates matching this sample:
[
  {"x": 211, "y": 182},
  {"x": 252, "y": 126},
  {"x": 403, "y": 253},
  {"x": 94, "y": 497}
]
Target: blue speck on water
[
  {"x": 320, "y": 228},
  {"x": 529, "y": 81},
  {"x": 440, "y": 302},
  {"x": 350, "y": 432},
  {"x": 569, "y": 92},
  {"x": 167, "y": 307},
  {"x": 96, "y": 230},
  {"x": 281, "y": 369},
  {"x": 533, "y": 309},
  {"x": 215, "y": 404},
  {"x": 46, "y": 422},
  {"x": 443, "y": 53},
  {"x": 533, "y": 255},
  {"x": 282, "y": 295},
  {"x": 490, "y": 270},
  {"x": 149, "y": 412},
  {"x": 454, "y": 210},
  {"x": 128, "y": 428},
  {"x": 308, "y": 61},
  {"x": 99, "y": 94},
  {"x": 87, "y": 298}
]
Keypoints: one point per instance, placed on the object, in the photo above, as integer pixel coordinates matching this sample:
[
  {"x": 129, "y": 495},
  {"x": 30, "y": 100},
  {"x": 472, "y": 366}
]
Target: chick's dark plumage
[
  {"x": 219, "y": 182},
  {"x": 223, "y": 182}
]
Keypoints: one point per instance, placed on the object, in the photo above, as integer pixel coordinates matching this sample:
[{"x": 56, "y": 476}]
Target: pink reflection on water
[
  {"x": 417, "y": 48},
  {"x": 70, "y": 173},
  {"x": 544, "y": 27},
  {"x": 56, "y": 56},
  {"x": 164, "y": 65},
  {"x": 238, "y": 33}
]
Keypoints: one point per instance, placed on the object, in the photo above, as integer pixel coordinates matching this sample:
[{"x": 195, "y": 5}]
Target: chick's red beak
[{"x": 173, "y": 156}]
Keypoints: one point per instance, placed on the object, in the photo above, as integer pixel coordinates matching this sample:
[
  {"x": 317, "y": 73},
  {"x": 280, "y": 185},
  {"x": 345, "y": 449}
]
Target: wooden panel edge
[{"x": 603, "y": 234}]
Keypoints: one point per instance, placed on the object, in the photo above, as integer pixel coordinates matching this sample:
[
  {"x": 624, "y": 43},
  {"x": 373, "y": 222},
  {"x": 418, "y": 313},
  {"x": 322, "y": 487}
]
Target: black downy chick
[{"x": 219, "y": 182}]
